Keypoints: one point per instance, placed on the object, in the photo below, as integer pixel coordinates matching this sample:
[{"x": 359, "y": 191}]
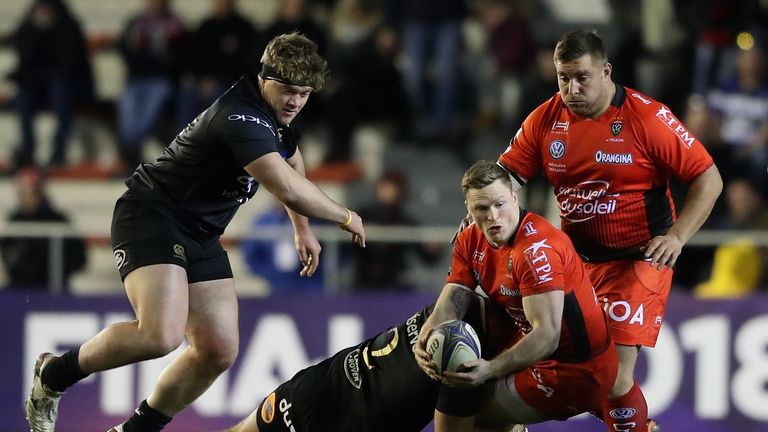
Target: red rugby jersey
[
  {"x": 610, "y": 175},
  {"x": 539, "y": 258}
]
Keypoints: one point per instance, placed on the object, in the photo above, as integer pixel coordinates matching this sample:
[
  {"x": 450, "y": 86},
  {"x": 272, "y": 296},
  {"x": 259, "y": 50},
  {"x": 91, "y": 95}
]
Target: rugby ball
[{"x": 451, "y": 344}]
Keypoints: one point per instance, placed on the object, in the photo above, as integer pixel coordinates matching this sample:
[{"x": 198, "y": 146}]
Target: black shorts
[{"x": 142, "y": 236}]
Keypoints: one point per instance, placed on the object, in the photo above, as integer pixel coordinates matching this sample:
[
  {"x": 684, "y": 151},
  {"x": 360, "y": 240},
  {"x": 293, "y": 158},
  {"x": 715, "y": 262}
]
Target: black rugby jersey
[
  {"x": 376, "y": 386},
  {"x": 199, "y": 179}
]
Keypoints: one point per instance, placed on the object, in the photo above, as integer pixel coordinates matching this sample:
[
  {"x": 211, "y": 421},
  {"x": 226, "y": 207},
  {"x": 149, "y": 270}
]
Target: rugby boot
[{"x": 43, "y": 403}]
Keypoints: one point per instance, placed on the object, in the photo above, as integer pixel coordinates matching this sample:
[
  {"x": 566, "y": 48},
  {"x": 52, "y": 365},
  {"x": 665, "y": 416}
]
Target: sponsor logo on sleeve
[
  {"x": 352, "y": 368},
  {"x": 529, "y": 229},
  {"x": 538, "y": 260},
  {"x": 268, "y": 408},
  {"x": 251, "y": 118},
  {"x": 670, "y": 121},
  {"x": 642, "y": 99}
]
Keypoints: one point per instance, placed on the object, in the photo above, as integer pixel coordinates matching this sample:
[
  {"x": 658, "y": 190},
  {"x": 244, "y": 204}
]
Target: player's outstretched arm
[
  {"x": 307, "y": 246},
  {"x": 302, "y": 196}
]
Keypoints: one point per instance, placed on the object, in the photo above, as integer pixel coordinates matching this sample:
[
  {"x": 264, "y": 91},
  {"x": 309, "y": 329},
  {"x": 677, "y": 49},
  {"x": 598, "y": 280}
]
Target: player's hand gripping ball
[{"x": 451, "y": 344}]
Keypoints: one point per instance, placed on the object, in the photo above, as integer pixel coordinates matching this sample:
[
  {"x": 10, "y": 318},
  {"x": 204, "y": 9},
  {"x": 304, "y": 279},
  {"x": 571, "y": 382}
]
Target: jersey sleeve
[
  {"x": 522, "y": 157},
  {"x": 247, "y": 133},
  {"x": 669, "y": 142},
  {"x": 541, "y": 267},
  {"x": 460, "y": 271}
]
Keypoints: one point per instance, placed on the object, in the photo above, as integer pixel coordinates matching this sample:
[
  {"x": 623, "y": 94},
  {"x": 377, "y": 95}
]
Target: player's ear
[{"x": 607, "y": 69}]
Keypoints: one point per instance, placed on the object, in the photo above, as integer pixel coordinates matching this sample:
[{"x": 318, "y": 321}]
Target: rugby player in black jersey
[
  {"x": 165, "y": 238},
  {"x": 377, "y": 386}
]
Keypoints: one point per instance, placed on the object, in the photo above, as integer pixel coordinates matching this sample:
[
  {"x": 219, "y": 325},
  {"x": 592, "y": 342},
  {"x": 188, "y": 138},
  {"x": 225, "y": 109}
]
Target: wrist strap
[{"x": 349, "y": 217}]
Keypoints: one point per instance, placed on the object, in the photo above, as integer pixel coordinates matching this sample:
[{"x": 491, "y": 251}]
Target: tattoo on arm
[{"x": 459, "y": 299}]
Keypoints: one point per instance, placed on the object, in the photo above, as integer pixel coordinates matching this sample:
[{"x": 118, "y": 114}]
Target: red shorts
[
  {"x": 561, "y": 390},
  {"x": 634, "y": 296}
]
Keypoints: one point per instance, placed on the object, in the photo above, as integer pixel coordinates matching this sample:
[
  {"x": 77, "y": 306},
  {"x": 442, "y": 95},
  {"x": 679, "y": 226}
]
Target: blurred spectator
[
  {"x": 27, "y": 259},
  {"x": 294, "y": 15},
  {"x": 739, "y": 265},
  {"x": 367, "y": 85},
  {"x": 53, "y": 72},
  {"x": 151, "y": 47},
  {"x": 228, "y": 40},
  {"x": 740, "y": 108},
  {"x": 432, "y": 40},
  {"x": 276, "y": 260},
  {"x": 539, "y": 84},
  {"x": 716, "y": 22},
  {"x": 384, "y": 265},
  {"x": 699, "y": 121},
  {"x": 511, "y": 49}
]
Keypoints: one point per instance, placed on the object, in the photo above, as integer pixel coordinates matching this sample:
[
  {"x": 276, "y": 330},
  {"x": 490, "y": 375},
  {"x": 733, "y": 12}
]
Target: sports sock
[
  {"x": 146, "y": 419},
  {"x": 63, "y": 371},
  {"x": 626, "y": 413}
]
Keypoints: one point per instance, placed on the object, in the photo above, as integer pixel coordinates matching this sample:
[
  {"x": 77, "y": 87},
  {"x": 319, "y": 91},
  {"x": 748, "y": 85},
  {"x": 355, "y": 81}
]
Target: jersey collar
[
  {"x": 620, "y": 96},
  {"x": 512, "y": 238},
  {"x": 252, "y": 90}
]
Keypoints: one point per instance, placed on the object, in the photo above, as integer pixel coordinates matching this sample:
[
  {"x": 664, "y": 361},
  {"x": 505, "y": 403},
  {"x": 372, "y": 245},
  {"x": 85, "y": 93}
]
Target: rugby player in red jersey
[
  {"x": 609, "y": 152},
  {"x": 562, "y": 362}
]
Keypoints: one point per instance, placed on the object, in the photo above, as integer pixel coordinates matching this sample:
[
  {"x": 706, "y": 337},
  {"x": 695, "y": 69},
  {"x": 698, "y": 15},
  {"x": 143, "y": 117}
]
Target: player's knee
[
  {"x": 218, "y": 356},
  {"x": 163, "y": 341}
]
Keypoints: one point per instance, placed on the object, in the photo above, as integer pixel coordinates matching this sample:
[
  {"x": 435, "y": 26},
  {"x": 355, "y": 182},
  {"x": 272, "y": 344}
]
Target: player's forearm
[
  {"x": 533, "y": 347},
  {"x": 453, "y": 303},
  {"x": 701, "y": 197},
  {"x": 306, "y": 199},
  {"x": 299, "y": 221}
]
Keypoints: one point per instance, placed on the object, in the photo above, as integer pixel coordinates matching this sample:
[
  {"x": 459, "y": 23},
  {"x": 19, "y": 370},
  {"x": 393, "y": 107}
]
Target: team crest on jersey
[
  {"x": 557, "y": 149},
  {"x": 509, "y": 263},
  {"x": 616, "y": 127},
  {"x": 268, "y": 408}
]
